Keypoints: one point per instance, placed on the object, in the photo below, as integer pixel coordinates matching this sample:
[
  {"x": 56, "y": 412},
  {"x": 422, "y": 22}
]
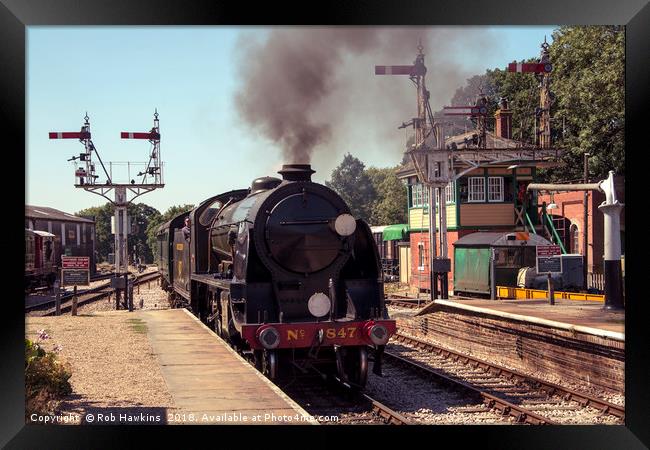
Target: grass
[{"x": 137, "y": 325}]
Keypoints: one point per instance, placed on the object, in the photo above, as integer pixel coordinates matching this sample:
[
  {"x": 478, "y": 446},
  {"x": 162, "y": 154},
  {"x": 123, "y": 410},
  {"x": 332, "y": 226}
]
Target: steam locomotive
[{"x": 285, "y": 273}]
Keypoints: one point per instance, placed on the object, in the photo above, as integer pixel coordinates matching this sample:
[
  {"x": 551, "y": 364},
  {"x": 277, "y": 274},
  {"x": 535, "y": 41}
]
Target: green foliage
[
  {"x": 141, "y": 216},
  {"x": 375, "y": 195},
  {"x": 354, "y": 186},
  {"x": 46, "y": 380},
  {"x": 103, "y": 237},
  {"x": 588, "y": 114},
  {"x": 466, "y": 96},
  {"x": 159, "y": 219},
  {"x": 522, "y": 92},
  {"x": 588, "y": 80},
  {"x": 389, "y": 205}
]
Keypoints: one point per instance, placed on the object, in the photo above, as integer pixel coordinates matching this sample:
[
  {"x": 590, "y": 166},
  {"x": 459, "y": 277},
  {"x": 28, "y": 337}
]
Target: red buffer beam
[
  {"x": 530, "y": 67},
  {"x": 69, "y": 135},
  {"x": 394, "y": 70},
  {"x": 131, "y": 135}
]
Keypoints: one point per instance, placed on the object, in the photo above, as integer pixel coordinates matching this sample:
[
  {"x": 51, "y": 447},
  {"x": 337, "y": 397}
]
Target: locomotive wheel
[
  {"x": 270, "y": 364},
  {"x": 218, "y": 326},
  {"x": 355, "y": 365},
  {"x": 258, "y": 356}
]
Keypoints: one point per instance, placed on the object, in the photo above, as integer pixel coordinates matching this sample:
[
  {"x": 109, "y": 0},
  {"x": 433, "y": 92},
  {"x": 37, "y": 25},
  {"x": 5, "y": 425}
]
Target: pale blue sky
[{"x": 120, "y": 74}]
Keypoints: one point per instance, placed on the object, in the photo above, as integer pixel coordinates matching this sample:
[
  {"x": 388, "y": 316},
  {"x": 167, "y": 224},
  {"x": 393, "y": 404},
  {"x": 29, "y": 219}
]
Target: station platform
[
  {"x": 583, "y": 314},
  {"x": 571, "y": 341},
  {"x": 210, "y": 383}
]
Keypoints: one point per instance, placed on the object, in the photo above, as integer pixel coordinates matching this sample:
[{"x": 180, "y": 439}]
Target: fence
[{"x": 596, "y": 281}]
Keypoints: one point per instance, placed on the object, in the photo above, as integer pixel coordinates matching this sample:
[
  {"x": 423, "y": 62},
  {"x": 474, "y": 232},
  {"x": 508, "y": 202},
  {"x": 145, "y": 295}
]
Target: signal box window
[
  {"x": 495, "y": 189},
  {"x": 476, "y": 189}
]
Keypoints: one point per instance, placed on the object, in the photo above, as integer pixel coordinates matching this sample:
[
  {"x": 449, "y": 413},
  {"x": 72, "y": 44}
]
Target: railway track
[
  {"x": 407, "y": 303},
  {"x": 327, "y": 399},
  {"x": 47, "y": 308},
  {"x": 524, "y": 398}
]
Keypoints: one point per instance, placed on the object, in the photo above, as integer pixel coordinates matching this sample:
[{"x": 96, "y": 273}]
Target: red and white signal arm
[
  {"x": 80, "y": 173},
  {"x": 530, "y": 67}
]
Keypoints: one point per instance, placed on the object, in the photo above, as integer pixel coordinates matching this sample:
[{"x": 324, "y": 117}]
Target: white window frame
[
  {"x": 416, "y": 193},
  {"x": 499, "y": 193},
  {"x": 450, "y": 192},
  {"x": 419, "y": 196},
  {"x": 473, "y": 189}
]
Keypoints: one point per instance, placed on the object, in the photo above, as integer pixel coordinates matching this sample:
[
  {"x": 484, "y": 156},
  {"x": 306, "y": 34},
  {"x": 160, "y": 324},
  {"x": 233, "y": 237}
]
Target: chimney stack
[
  {"x": 296, "y": 172},
  {"x": 503, "y": 118}
]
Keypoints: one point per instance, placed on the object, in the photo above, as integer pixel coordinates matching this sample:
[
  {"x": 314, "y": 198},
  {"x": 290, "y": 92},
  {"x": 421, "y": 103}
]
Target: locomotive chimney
[{"x": 296, "y": 172}]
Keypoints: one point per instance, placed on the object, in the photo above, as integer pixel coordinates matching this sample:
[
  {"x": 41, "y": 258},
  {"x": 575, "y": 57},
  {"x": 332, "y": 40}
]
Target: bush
[{"x": 46, "y": 378}]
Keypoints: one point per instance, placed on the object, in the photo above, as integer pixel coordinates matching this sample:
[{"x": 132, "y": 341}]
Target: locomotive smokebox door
[{"x": 300, "y": 238}]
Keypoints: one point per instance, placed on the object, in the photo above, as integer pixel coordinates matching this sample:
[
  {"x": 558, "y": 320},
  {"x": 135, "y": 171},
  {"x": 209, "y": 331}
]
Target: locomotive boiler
[{"x": 285, "y": 273}]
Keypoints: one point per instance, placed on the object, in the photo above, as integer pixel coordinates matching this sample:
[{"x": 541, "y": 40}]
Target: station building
[
  {"x": 74, "y": 235},
  {"x": 489, "y": 199}
]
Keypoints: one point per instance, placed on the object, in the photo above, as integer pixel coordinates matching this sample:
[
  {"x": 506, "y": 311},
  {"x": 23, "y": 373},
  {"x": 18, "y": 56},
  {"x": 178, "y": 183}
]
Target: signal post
[{"x": 149, "y": 179}]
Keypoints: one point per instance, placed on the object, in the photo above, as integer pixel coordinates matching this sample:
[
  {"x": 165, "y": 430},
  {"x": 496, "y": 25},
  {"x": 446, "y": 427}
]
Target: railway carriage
[
  {"x": 40, "y": 257},
  {"x": 285, "y": 273}
]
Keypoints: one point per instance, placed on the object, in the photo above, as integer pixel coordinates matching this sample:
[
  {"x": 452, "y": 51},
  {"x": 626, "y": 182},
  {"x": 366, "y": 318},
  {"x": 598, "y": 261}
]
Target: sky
[{"x": 194, "y": 77}]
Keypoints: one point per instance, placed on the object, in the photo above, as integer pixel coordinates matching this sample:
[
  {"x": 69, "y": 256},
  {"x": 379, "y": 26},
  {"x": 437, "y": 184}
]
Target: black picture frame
[{"x": 16, "y": 15}]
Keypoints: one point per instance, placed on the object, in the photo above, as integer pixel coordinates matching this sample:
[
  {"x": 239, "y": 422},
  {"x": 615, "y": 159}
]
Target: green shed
[{"x": 474, "y": 265}]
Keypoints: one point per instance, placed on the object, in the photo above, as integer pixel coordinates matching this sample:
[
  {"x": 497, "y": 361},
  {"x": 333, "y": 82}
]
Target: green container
[{"x": 472, "y": 270}]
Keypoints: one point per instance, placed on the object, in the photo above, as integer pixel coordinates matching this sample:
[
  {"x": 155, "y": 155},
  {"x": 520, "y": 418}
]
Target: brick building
[
  {"x": 74, "y": 235},
  {"x": 568, "y": 220}
]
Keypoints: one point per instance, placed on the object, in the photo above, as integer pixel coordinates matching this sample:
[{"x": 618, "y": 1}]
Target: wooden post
[
  {"x": 57, "y": 298},
  {"x": 551, "y": 290},
  {"x": 74, "y": 300},
  {"x": 117, "y": 298},
  {"x": 126, "y": 290},
  {"x": 130, "y": 289}
]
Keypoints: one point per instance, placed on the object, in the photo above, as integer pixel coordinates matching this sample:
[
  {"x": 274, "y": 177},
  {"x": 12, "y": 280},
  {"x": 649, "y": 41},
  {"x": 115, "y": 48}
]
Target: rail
[
  {"x": 85, "y": 297},
  {"x": 550, "y": 388}
]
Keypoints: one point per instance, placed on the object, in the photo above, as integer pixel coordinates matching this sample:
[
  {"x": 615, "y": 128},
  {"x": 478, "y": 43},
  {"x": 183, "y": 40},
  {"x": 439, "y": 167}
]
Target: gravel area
[
  {"x": 115, "y": 374},
  {"x": 425, "y": 402}
]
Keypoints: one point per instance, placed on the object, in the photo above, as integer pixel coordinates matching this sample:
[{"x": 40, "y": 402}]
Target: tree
[
  {"x": 103, "y": 237},
  {"x": 522, "y": 92},
  {"x": 141, "y": 216},
  {"x": 588, "y": 80},
  {"x": 158, "y": 220},
  {"x": 354, "y": 186},
  {"x": 389, "y": 206},
  {"x": 588, "y": 114}
]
